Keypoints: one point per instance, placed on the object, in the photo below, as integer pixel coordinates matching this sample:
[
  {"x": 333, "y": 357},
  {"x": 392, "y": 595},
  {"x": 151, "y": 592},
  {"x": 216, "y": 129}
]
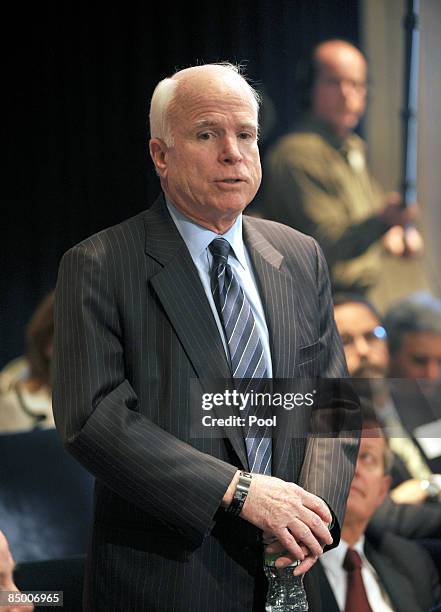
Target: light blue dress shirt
[{"x": 197, "y": 239}]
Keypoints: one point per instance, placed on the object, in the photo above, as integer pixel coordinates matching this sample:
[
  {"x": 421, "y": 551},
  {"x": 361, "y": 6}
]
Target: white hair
[
  {"x": 166, "y": 92},
  {"x": 163, "y": 96}
]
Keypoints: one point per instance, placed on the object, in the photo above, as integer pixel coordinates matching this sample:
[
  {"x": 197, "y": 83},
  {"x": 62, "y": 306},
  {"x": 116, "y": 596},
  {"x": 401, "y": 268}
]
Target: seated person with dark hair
[
  {"x": 414, "y": 338},
  {"x": 25, "y": 383},
  {"x": 383, "y": 574},
  {"x": 412, "y": 509},
  {"x": 363, "y": 335}
]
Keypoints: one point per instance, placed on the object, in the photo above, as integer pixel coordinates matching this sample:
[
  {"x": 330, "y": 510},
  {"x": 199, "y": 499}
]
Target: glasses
[
  {"x": 332, "y": 81},
  {"x": 371, "y": 337}
]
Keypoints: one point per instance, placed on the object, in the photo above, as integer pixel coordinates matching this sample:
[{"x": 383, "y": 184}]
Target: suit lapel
[
  {"x": 327, "y": 597},
  {"x": 179, "y": 288},
  {"x": 396, "y": 586},
  {"x": 278, "y": 293}
]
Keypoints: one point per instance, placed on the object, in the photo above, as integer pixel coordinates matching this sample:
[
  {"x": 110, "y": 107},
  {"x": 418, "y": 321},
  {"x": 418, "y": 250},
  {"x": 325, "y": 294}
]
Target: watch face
[{"x": 433, "y": 490}]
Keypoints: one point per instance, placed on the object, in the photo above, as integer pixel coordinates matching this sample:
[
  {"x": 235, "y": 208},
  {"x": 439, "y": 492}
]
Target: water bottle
[{"x": 285, "y": 591}]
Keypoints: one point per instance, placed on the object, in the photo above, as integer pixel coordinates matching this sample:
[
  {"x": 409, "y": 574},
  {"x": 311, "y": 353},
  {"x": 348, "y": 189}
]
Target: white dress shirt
[{"x": 332, "y": 562}]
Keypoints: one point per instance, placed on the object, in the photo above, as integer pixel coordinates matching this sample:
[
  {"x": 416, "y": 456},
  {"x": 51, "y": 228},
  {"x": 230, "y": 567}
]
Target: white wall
[
  {"x": 383, "y": 41},
  {"x": 429, "y": 167}
]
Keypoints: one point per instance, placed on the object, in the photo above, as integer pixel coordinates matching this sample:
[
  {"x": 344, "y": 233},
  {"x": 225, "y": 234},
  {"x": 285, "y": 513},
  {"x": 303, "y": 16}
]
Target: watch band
[
  {"x": 430, "y": 488},
  {"x": 240, "y": 494}
]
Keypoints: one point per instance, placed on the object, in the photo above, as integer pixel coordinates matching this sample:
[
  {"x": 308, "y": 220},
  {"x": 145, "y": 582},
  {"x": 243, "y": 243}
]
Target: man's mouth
[{"x": 230, "y": 180}]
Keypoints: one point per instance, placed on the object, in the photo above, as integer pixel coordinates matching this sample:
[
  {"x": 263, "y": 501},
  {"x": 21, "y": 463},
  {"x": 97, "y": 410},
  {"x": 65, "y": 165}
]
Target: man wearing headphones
[{"x": 317, "y": 180}]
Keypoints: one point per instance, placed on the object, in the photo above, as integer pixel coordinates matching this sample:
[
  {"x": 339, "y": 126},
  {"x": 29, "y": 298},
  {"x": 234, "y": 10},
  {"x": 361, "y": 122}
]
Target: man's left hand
[{"x": 285, "y": 559}]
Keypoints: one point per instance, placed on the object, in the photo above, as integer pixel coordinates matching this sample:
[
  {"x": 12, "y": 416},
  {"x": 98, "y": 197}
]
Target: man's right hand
[
  {"x": 394, "y": 214},
  {"x": 296, "y": 518}
]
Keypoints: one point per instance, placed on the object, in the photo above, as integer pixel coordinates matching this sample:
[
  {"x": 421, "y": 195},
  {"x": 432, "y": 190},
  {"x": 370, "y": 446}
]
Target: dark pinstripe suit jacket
[{"x": 133, "y": 326}]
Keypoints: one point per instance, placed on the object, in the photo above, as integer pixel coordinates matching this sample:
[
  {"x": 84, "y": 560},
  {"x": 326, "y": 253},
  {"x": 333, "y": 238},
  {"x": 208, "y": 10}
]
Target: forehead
[
  {"x": 372, "y": 440},
  {"x": 342, "y": 60},
  {"x": 354, "y": 318},
  {"x": 213, "y": 97},
  {"x": 422, "y": 343}
]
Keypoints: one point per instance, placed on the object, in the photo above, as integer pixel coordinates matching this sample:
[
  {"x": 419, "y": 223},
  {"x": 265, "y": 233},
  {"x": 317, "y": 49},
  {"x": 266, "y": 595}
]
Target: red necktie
[{"x": 356, "y": 598}]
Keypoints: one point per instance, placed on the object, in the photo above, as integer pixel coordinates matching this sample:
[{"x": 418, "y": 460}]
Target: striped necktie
[{"x": 247, "y": 359}]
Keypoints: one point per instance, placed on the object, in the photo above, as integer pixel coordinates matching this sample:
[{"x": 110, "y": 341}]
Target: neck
[
  {"x": 352, "y": 532},
  {"x": 218, "y": 224},
  {"x": 338, "y": 133}
]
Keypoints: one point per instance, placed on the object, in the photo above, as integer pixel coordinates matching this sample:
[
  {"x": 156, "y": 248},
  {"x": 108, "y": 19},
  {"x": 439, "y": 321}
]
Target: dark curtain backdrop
[{"x": 77, "y": 82}]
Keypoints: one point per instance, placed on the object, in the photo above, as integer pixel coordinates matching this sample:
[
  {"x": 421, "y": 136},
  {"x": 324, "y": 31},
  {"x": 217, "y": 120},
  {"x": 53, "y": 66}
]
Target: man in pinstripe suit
[{"x": 136, "y": 321}]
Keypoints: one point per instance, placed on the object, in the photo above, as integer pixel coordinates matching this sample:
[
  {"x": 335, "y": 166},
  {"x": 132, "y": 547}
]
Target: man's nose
[
  {"x": 358, "y": 470},
  {"x": 361, "y": 346},
  {"x": 230, "y": 152},
  {"x": 348, "y": 90},
  {"x": 343, "y": 88}
]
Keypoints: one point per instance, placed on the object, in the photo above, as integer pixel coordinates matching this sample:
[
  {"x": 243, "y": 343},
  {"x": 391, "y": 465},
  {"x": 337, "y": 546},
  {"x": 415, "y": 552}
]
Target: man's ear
[
  {"x": 384, "y": 490},
  {"x": 158, "y": 153}
]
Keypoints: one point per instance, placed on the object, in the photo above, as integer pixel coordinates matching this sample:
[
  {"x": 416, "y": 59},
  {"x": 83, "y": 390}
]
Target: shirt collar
[
  {"x": 336, "y": 556},
  {"x": 359, "y": 546},
  {"x": 197, "y": 238}
]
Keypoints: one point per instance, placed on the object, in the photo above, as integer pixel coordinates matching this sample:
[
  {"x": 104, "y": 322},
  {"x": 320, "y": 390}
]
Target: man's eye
[
  {"x": 420, "y": 360},
  {"x": 246, "y": 136},
  {"x": 332, "y": 81},
  {"x": 368, "y": 457},
  {"x": 205, "y": 135},
  {"x": 347, "y": 339}
]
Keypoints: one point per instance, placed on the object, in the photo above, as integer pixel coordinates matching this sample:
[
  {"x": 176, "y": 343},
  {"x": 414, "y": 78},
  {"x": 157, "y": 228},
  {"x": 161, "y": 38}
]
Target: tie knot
[
  {"x": 220, "y": 248},
  {"x": 352, "y": 560}
]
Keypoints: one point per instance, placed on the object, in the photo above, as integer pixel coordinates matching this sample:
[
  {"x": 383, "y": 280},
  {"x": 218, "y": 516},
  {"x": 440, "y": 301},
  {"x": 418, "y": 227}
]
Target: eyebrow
[{"x": 204, "y": 123}]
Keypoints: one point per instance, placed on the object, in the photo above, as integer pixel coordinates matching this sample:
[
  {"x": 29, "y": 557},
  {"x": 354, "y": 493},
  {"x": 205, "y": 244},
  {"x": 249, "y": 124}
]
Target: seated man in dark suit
[
  {"x": 380, "y": 575},
  {"x": 413, "y": 508}
]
